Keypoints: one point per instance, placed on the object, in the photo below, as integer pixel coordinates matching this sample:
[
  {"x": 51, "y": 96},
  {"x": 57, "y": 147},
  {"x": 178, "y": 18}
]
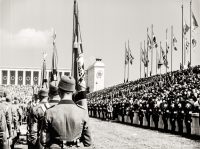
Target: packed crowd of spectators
[
  {"x": 172, "y": 87},
  {"x": 23, "y": 93}
]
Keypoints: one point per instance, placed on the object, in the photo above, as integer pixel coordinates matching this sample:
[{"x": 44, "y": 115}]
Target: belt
[{"x": 64, "y": 143}]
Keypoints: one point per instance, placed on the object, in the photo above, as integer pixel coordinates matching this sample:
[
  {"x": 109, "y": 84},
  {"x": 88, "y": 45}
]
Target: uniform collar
[
  {"x": 54, "y": 101},
  {"x": 66, "y": 102}
]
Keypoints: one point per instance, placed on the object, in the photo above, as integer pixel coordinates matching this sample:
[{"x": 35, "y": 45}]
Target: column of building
[
  {"x": 24, "y": 77},
  {"x": 16, "y": 77},
  {"x": 8, "y": 77},
  {"x": 0, "y": 76}
]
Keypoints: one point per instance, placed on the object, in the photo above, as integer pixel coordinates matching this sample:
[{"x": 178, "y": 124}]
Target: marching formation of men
[
  {"x": 170, "y": 98},
  {"x": 54, "y": 118}
]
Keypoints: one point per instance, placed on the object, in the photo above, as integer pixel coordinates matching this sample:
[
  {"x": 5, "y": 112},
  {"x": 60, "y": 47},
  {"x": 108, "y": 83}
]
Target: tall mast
[
  {"x": 147, "y": 54},
  {"x": 182, "y": 32},
  {"x": 125, "y": 64},
  {"x": 151, "y": 49},
  {"x": 171, "y": 45},
  {"x": 128, "y": 59},
  {"x": 140, "y": 57},
  {"x": 166, "y": 51},
  {"x": 190, "y": 31},
  {"x": 144, "y": 59}
]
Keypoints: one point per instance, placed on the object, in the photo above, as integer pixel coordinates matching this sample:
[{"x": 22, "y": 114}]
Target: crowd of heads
[
  {"x": 17, "y": 93},
  {"x": 182, "y": 86}
]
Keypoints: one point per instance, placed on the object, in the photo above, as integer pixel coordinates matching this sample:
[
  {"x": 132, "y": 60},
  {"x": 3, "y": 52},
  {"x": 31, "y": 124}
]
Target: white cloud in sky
[{"x": 27, "y": 39}]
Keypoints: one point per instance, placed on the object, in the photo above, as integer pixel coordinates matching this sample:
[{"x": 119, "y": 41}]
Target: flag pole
[
  {"x": 166, "y": 50},
  {"x": 125, "y": 65},
  {"x": 151, "y": 49},
  {"x": 140, "y": 57},
  {"x": 171, "y": 45},
  {"x": 144, "y": 60},
  {"x": 160, "y": 57},
  {"x": 128, "y": 60},
  {"x": 147, "y": 54},
  {"x": 182, "y": 31},
  {"x": 190, "y": 31},
  {"x": 156, "y": 60}
]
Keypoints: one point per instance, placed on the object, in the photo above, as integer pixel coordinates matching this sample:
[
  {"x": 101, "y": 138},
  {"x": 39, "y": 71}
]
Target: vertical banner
[
  {"x": 67, "y": 74},
  {"x": 20, "y": 77},
  {"x": 28, "y": 78},
  {"x": 50, "y": 77},
  {"x": 4, "y": 77},
  {"x": 12, "y": 77},
  {"x": 35, "y": 77}
]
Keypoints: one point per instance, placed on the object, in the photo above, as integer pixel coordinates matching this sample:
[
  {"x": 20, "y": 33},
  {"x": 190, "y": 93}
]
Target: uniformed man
[
  {"x": 155, "y": 115},
  {"x": 165, "y": 114},
  {"x": 109, "y": 111},
  {"x": 140, "y": 114},
  {"x": 4, "y": 144},
  {"x": 9, "y": 117},
  {"x": 15, "y": 122},
  {"x": 54, "y": 98},
  {"x": 180, "y": 117},
  {"x": 66, "y": 124},
  {"x": 188, "y": 116},
  {"x": 173, "y": 116},
  {"x": 37, "y": 115}
]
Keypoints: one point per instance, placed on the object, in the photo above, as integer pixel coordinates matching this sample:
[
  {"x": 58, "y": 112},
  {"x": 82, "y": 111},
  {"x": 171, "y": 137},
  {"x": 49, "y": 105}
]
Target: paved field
[{"x": 109, "y": 135}]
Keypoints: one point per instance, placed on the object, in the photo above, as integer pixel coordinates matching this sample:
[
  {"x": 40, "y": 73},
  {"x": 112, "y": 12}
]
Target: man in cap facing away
[
  {"x": 37, "y": 114},
  {"x": 66, "y": 124}
]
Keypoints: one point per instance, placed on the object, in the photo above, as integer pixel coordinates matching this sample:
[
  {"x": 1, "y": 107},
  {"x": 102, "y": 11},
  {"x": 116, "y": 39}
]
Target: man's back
[{"x": 69, "y": 122}]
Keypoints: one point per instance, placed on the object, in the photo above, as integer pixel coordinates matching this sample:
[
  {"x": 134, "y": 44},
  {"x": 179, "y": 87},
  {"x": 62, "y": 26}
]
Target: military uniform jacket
[{"x": 65, "y": 122}]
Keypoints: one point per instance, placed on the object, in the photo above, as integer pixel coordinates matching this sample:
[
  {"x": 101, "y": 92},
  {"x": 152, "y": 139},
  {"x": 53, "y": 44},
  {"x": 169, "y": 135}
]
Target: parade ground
[{"x": 112, "y": 135}]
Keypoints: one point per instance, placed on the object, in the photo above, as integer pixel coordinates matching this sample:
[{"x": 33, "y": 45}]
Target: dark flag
[
  {"x": 4, "y": 77},
  {"x": 28, "y": 78},
  {"x": 20, "y": 77},
  {"x": 78, "y": 70},
  {"x": 12, "y": 77},
  {"x": 44, "y": 73},
  {"x": 35, "y": 77},
  {"x": 54, "y": 60},
  {"x": 66, "y": 73}
]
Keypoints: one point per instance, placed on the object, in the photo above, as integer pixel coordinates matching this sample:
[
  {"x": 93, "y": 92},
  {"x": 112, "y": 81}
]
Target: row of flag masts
[
  {"x": 53, "y": 77},
  {"x": 128, "y": 60},
  {"x": 77, "y": 71},
  {"x": 162, "y": 55}
]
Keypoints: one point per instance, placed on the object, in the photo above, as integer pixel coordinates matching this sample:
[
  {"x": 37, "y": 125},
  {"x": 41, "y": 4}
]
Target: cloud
[{"x": 26, "y": 39}]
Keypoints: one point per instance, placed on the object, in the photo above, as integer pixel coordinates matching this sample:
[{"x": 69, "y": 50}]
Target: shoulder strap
[
  {"x": 47, "y": 105},
  {"x": 43, "y": 107}
]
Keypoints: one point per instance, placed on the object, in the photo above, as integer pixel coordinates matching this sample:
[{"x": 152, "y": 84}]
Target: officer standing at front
[{"x": 66, "y": 124}]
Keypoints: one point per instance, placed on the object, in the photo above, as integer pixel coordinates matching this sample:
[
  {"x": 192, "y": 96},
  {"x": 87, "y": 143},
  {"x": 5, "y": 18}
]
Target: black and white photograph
[{"x": 100, "y": 74}]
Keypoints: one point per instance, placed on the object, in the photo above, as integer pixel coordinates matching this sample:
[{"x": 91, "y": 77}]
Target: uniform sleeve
[
  {"x": 45, "y": 131},
  {"x": 32, "y": 138},
  {"x": 86, "y": 138}
]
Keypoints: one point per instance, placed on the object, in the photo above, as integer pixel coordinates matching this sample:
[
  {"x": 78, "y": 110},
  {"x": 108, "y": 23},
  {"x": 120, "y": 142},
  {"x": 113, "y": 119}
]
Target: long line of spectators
[{"x": 177, "y": 86}]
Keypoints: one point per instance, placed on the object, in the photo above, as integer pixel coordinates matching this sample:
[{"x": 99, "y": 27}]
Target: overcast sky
[{"x": 25, "y": 31}]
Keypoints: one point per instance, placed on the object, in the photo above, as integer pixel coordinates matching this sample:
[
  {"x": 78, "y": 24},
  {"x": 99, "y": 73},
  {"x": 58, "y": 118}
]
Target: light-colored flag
[{"x": 194, "y": 22}]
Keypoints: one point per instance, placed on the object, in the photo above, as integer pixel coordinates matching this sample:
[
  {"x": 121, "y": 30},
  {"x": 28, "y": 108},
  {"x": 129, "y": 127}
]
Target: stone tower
[{"x": 95, "y": 76}]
